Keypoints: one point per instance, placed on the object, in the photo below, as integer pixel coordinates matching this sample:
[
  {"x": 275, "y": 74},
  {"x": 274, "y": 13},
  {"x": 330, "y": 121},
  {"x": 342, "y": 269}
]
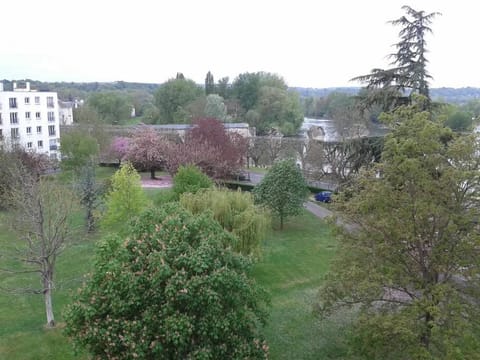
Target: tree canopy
[
  {"x": 170, "y": 290},
  {"x": 410, "y": 265},
  {"x": 408, "y": 74},
  {"x": 283, "y": 190},
  {"x": 125, "y": 200},
  {"x": 173, "y": 97}
]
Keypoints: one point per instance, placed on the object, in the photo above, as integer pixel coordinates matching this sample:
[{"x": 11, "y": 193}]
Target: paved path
[{"x": 322, "y": 213}]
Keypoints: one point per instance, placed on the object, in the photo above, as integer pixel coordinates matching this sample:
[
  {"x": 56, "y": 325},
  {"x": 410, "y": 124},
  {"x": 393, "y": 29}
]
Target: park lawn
[
  {"x": 22, "y": 316},
  {"x": 294, "y": 262}
]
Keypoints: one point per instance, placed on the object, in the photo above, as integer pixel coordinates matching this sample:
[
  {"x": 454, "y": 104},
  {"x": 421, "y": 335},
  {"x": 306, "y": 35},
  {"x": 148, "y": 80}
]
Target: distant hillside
[
  {"x": 449, "y": 95},
  {"x": 69, "y": 90}
]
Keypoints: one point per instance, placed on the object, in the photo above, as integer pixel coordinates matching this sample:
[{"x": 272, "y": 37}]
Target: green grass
[
  {"x": 292, "y": 268},
  {"x": 294, "y": 261},
  {"x": 22, "y": 316}
]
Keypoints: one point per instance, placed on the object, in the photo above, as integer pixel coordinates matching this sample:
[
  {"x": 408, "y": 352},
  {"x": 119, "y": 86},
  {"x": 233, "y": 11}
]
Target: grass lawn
[
  {"x": 293, "y": 264},
  {"x": 22, "y": 317},
  {"x": 292, "y": 267}
]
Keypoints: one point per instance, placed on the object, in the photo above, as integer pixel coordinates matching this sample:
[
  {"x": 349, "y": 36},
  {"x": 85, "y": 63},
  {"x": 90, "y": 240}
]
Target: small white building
[
  {"x": 30, "y": 119},
  {"x": 65, "y": 111}
]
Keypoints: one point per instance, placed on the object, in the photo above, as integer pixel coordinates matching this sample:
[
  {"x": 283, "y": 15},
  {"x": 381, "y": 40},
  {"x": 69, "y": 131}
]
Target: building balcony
[
  {"x": 53, "y": 147},
  {"x": 52, "y": 134}
]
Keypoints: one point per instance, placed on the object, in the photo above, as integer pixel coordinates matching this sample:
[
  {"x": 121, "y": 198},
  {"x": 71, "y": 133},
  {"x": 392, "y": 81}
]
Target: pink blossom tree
[
  {"x": 119, "y": 147},
  {"x": 147, "y": 150}
]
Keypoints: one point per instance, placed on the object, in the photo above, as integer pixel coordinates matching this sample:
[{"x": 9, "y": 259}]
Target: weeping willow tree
[{"x": 236, "y": 212}]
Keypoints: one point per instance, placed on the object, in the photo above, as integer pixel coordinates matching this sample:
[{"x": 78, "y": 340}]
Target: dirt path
[{"x": 164, "y": 181}]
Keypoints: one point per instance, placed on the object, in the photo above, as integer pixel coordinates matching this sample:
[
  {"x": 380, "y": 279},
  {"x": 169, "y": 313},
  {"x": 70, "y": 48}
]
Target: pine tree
[
  {"x": 209, "y": 84},
  {"x": 408, "y": 74}
]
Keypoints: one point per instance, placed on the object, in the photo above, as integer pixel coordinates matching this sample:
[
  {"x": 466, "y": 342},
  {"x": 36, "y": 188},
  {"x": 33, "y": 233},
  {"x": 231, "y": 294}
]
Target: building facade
[{"x": 30, "y": 119}]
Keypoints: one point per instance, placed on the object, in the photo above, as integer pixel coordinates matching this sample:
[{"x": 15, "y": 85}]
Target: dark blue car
[{"x": 324, "y": 196}]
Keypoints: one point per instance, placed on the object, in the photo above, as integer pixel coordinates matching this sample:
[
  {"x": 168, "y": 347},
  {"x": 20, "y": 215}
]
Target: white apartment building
[{"x": 30, "y": 119}]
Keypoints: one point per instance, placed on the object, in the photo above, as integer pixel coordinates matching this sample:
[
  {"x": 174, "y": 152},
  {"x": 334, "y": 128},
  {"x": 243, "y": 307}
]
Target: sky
[{"x": 310, "y": 43}]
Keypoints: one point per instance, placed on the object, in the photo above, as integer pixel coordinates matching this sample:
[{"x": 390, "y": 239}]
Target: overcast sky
[{"x": 311, "y": 43}]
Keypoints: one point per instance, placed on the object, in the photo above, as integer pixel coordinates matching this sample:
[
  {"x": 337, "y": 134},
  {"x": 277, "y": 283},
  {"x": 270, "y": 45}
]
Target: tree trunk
[
  {"x": 90, "y": 221},
  {"x": 152, "y": 174},
  {"x": 48, "y": 303},
  {"x": 281, "y": 222}
]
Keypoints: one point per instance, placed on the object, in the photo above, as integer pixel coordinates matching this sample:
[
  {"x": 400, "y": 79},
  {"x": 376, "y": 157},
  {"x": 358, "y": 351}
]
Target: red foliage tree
[
  {"x": 208, "y": 146},
  {"x": 148, "y": 150}
]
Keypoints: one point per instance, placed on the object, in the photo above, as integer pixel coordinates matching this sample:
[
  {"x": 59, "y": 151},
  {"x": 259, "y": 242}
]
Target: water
[
  {"x": 327, "y": 125},
  {"x": 331, "y": 134}
]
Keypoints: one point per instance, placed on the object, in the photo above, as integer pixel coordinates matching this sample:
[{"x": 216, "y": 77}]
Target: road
[{"x": 313, "y": 207}]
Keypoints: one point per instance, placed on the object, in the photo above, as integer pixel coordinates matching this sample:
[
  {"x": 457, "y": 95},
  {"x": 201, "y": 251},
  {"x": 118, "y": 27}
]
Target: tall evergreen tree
[
  {"x": 410, "y": 268},
  {"x": 408, "y": 74},
  {"x": 209, "y": 84}
]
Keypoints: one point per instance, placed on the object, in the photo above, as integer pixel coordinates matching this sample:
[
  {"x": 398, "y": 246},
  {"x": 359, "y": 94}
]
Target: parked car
[{"x": 324, "y": 196}]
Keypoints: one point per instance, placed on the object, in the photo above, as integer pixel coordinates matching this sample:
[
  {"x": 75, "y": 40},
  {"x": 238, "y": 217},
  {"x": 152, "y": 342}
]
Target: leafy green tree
[
  {"x": 190, "y": 179},
  {"x": 245, "y": 88},
  {"x": 410, "y": 265},
  {"x": 215, "y": 108},
  {"x": 409, "y": 73},
  {"x": 209, "y": 84},
  {"x": 170, "y": 290},
  {"x": 113, "y": 107},
  {"x": 173, "y": 97},
  {"x": 267, "y": 103},
  {"x": 78, "y": 147},
  {"x": 223, "y": 88},
  {"x": 125, "y": 199},
  {"x": 283, "y": 190},
  {"x": 236, "y": 212},
  {"x": 459, "y": 121},
  {"x": 278, "y": 109}
]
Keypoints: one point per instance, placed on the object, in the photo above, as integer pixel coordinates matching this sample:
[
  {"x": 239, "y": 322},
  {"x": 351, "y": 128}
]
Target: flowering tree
[
  {"x": 147, "y": 150},
  {"x": 170, "y": 290},
  {"x": 118, "y": 148}
]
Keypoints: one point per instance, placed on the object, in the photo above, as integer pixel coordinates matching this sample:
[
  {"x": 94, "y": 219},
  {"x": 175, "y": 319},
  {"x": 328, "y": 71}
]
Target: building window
[
  {"x": 50, "y": 102},
  {"x": 51, "y": 116},
  {"x": 1, "y": 134},
  {"x": 38, "y": 115},
  {"x": 40, "y": 144},
  {"x": 37, "y": 100},
  {"x": 27, "y": 101},
  {"x": 13, "y": 118},
  {"x": 39, "y": 129},
  {"x": 53, "y": 156},
  {"x": 14, "y": 132},
  {"x": 13, "y": 103},
  {"x": 27, "y": 115},
  {"x": 53, "y": 144},
  {"x": 0, "y": 118},
  {"x": 29, "y": 145},
  {"x": 51, "y": 130},
  {"x": 29, "y": 130}
]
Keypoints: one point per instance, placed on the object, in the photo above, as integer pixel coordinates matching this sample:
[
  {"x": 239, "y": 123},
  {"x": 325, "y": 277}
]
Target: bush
[
  {"x": 190, "y": 179},
  {"x": 165, "y": 196},
  {"x": 170, "y": 290},
  {"x": 236, "y": 212}
]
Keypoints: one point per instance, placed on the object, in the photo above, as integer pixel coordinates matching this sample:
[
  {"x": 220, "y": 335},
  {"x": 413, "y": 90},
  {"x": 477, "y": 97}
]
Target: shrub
[
  {"x": 190, "y": 179},
  {"x": 169, "y": 291},
  {"x": 236, "y": 212}
]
